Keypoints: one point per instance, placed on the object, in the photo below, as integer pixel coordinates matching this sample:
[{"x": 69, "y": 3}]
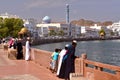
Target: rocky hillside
[{"x": 83, "y": 22}]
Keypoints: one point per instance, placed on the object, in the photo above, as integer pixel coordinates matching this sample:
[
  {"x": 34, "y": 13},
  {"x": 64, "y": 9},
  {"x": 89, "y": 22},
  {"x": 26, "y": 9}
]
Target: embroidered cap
[
  {"x": 66, "y": 45},
  {"x": 74, "y": 41},
  {"x": 28, "y": 38}
]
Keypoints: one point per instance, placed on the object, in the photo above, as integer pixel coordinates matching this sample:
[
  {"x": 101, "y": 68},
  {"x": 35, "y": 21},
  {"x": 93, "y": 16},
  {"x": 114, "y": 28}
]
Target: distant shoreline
[{"x": 47, "y": 41}]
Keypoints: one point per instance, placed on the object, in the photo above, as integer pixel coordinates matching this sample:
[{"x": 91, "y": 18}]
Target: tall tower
[
  {"x": 67, "y": 13},
  {"x": 67, "y": 18}
]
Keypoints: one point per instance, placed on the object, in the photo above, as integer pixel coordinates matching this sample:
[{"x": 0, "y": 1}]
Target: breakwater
[{"x": 55, "y": 40}]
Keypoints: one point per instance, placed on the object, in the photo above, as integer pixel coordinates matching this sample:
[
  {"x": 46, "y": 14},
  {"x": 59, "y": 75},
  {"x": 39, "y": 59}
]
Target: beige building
[{"x": 45, "y": 28}]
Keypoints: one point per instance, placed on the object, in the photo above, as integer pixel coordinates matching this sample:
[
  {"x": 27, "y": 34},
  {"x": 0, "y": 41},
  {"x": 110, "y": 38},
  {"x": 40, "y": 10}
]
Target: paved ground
[{"x": 23, "y": 70}]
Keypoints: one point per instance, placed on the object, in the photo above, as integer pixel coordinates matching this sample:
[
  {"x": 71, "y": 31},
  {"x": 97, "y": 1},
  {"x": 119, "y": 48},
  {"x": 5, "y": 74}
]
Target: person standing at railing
[
  {"x": 54, "y": 60},
  {"x": 68, "y": 62}
]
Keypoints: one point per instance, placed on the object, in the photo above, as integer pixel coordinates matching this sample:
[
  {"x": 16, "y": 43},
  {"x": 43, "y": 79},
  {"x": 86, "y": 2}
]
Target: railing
[
  {"x": 4, "y": 46},
  {"x": 90, "y": 69},
  {"x": 98, "y": 71},
  {"x": 40, "y": 57}
]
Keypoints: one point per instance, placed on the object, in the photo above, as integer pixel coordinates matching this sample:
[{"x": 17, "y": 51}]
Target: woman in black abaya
[{"x": 19, "y": 49}]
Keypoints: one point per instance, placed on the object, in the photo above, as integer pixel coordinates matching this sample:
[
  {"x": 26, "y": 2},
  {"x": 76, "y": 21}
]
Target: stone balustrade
[
  {"x": 90, "y": 69},
  {"x": 98, "y": 71},
  {"x": 40, "y": 57}
]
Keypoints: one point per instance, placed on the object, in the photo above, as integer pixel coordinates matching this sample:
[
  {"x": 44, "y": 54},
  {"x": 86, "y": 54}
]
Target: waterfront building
[
  {"x": 77, "y": 31},
  {"x": 115, "y": 27},
  {"x": 44, "y": 29},
  {"x": 46, "y": 26},
  {"x": 107, "y": 31},
  {"x": 6, "y": 15},
  {"x": 83, "y": 30},
  {"x": 93, "y": 31},
  {"x": 90, "y": 32},
  {"x": 96, "y": 27},
  {"x": 30, "y": 24}
]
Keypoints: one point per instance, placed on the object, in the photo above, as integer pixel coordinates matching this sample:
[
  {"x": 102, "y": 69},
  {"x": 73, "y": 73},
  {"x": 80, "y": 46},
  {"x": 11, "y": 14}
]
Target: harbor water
[{"x": 105, "y": 51}]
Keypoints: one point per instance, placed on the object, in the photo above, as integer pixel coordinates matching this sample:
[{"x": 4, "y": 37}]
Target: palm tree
[{"x": 102, "y": 33}]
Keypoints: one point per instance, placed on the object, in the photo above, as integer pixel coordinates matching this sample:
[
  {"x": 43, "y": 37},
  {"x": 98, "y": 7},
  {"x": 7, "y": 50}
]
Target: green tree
[
  {"x": 52, "y": 33},
  {"x": 1, "y": 22},
  {"x": 61, "y": 33},
  {"x": 8, "y": 22},
  {"x": 3, "y": 32},
  {"x": 10, "y": 26},
  {"x": 18, "y": 24}
]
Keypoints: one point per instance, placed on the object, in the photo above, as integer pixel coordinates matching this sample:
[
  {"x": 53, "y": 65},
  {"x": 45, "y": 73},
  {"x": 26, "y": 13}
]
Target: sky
[{"x": 95, "y": 10}]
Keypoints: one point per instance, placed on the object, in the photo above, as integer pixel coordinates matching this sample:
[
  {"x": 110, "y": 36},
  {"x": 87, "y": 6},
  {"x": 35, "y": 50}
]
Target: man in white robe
[{"x": 27, "y": 46}]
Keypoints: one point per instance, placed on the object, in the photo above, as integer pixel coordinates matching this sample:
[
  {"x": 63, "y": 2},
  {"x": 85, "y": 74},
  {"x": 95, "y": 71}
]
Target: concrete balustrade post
[
  {"x": 5, "y": 46},
  {"x": 1, "y": 46},
  {"x": 118, "y": 74},
  {"x": 100, "y": 68},
  {"x": 24, "y": 52},
  {"x": 32, "y": 54},
  {"x": 95, "y": 67},
  {"x": 83, "y": 57}
]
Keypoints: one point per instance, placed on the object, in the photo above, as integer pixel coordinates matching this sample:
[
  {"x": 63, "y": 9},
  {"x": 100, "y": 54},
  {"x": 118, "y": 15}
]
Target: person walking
[
  {"x": 61, "y": 54},
  {"x": 68, "y": 64},
  {"x": 27, "y": 46}
]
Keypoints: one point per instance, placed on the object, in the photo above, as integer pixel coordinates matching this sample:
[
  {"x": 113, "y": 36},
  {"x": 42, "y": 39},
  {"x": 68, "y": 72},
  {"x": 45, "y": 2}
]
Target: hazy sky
[{"x": 96, "y": 10}]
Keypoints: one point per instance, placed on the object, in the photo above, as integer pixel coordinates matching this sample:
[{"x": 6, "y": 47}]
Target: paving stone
[
  {"x": 4, "y": 61},
  {"x": 20, "y": 77},
  {"x": 76, "y": 76}
]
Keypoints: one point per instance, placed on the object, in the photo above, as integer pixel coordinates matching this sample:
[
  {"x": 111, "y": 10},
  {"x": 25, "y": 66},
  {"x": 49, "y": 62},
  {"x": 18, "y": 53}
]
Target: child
[{"x": 54, "y": 61}]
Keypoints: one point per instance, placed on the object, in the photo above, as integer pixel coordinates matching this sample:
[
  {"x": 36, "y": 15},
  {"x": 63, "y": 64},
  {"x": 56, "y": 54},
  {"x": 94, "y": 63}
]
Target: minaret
[
  {"x": 67, "y": 14},
  {"x": 67, "y": 18}
]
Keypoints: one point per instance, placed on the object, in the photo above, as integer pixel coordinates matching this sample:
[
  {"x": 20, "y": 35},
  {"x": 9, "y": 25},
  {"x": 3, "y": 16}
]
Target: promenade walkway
[{"x": 22, "y": 70}]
